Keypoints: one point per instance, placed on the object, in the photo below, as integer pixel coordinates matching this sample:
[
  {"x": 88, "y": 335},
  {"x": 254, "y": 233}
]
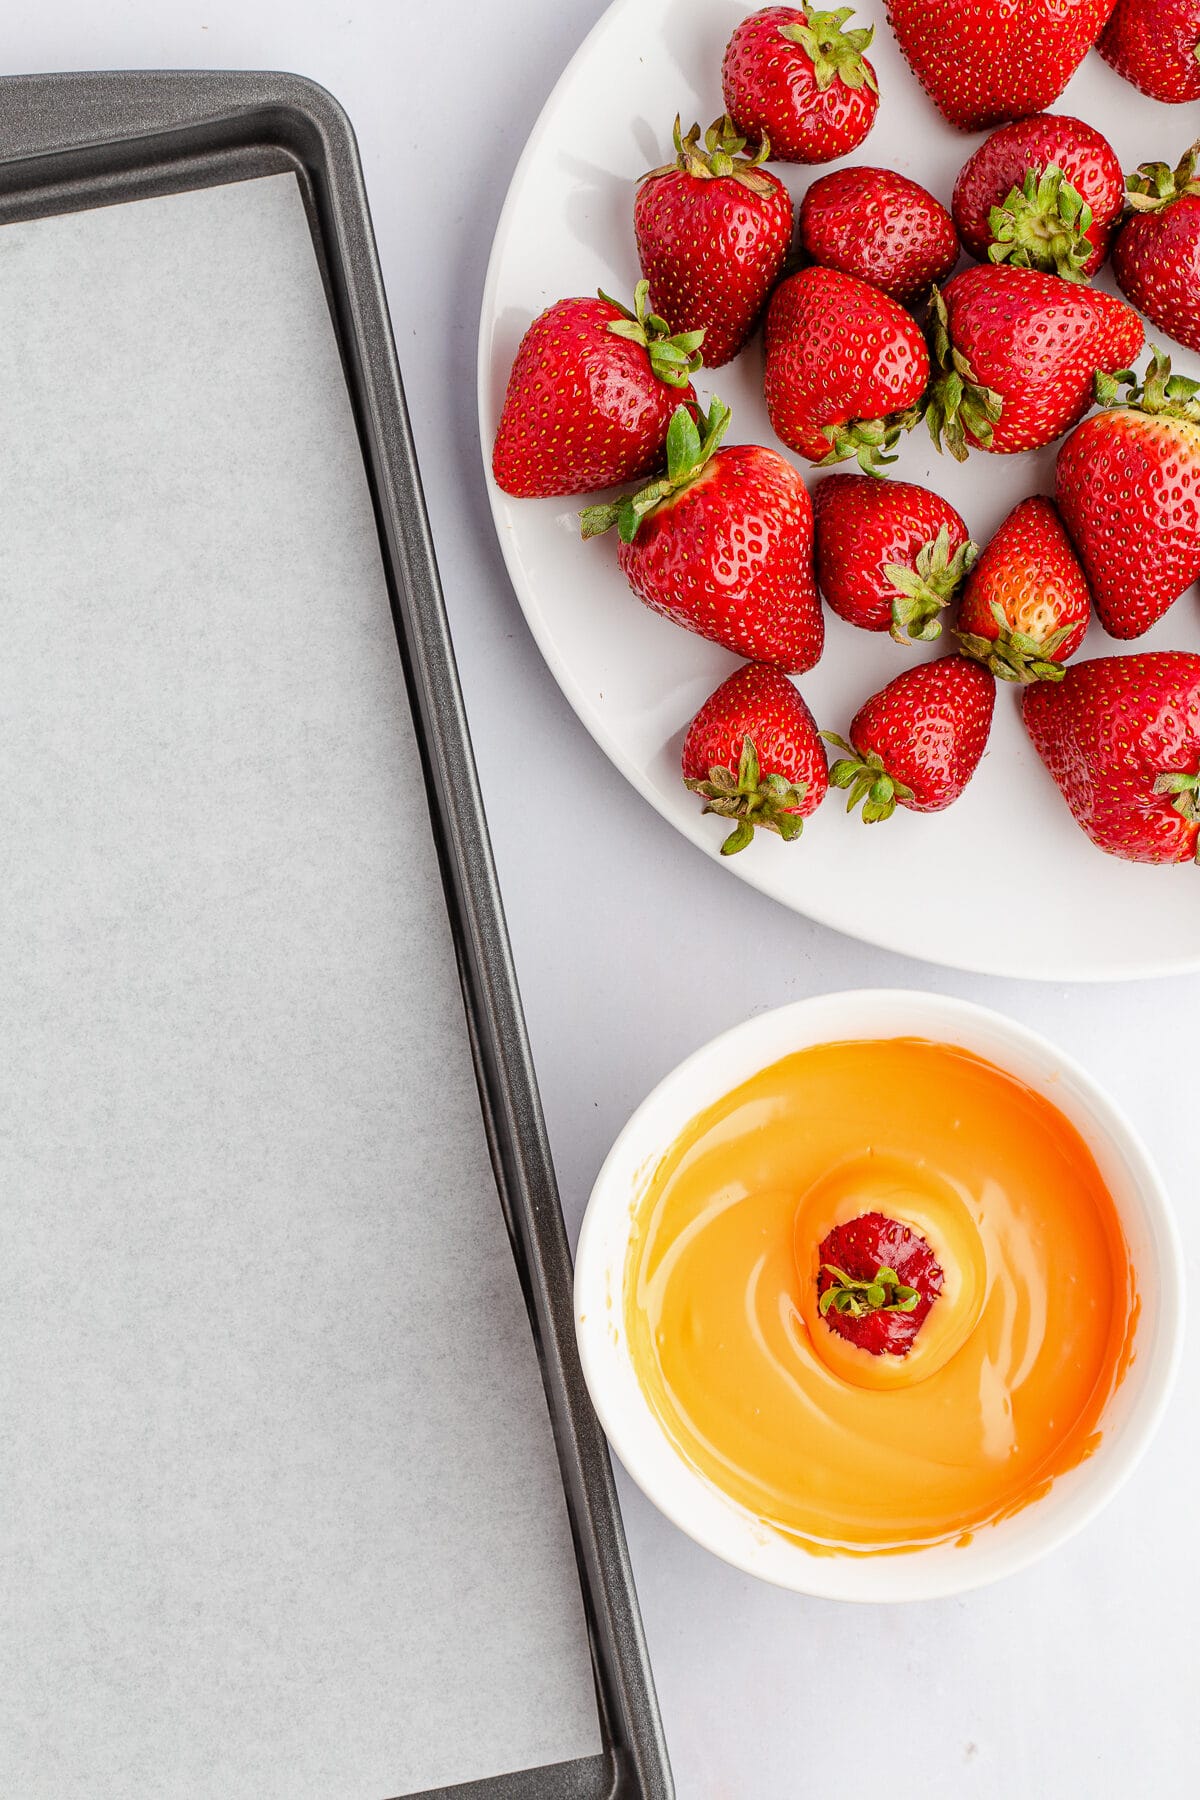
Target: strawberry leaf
[
  {"x": 1154, "y": 185},
  {"x": 721, "y": 157},
  {"x": 884, "y": 1292},
  {"x": 1185, "y": 792},
  {"x": 1108, "y": 388},
  {"x": 683, "y": 446},
  {"x": 924, "y": 589},
  {"x": 1160, "y": 393},
  {"x": 690, "y": 445},
  {"x": 752, "y": 799},
  {"x": 1043, "y": 224},
  {"x": 1013, "y": 655},
  {"x": 867, "y": 440},
  {"x": 740, "y": 838},
  {"x": 835, "y": 54},
  {"x": 869, "y": 784},
  {"x": 674, "y": 358},
  {"x": 957, "y": 406}
]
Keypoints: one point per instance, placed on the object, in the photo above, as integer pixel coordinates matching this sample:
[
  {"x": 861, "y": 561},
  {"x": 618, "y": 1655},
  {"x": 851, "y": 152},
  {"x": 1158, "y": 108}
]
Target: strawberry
[
  {"x": 754, "y": 754},
  {"x": 1121, "y": 737},
  {"x": 722, "y": 543},
  {"x": 1157, "y": 256},
  {"x": 881, "y": 227},
  {"x": 846, "y": 368},
  {"x": 918, "y": 741},
  {"x": 878, "y": 1281},
  {"x": 590, "y": 397},
  {"x": 1026, "y": 606},
  {"x": 984, "y": 61},
  {"x": 889, "y": 554},
  {"x": 1155, "y": 44},
  {"x": 797, "y": 76},
  {"x": 712, "y": 232},
  {"x": 1015, "y": 354},
  {"x": 1043, "y": 193},
  {"x": 1128, "y": 488}
]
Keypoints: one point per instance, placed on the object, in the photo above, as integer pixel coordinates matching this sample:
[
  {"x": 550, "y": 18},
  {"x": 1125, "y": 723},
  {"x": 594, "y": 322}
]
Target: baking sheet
[{"x": 282, "y": 1514}]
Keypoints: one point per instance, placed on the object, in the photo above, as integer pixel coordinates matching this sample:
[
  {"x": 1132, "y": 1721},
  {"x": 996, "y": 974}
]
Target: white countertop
[{"x": 1074, "y": 1681}]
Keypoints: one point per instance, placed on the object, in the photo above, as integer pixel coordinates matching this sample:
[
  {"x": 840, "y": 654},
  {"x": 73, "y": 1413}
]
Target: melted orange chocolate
[{"x": 1005, "y": 1385}]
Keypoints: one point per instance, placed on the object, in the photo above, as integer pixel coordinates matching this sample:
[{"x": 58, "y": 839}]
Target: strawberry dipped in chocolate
[{"x": 877, "y": 1283}]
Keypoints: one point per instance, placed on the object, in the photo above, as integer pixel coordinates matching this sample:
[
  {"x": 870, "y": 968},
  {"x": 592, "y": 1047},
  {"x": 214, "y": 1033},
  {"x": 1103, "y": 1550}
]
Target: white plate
[{"x": 1002, "y": 883}]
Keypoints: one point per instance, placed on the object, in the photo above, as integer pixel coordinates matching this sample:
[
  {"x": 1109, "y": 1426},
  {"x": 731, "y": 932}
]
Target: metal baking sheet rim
[{"x": 73, "y": 141}]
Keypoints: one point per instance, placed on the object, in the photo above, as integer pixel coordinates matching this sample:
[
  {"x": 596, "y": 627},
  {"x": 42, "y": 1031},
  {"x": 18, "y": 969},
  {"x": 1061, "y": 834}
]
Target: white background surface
[{"x": 1075, "y": 1681}]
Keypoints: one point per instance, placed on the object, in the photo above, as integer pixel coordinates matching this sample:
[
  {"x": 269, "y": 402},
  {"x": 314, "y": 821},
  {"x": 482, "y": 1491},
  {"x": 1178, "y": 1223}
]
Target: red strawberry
[
  {"x": 590, "y": 397},
  {"x": 1121, "y": 737},
  {"x": 799, "y": 77},
  {"x": 754, "y": 754},
  {"x": 1043, "y": 193},
  {"x": 918, "y": 741},
  {"x": 846, "y": 368},
  {"x": 877, "y": 1283},
  {"x": 1026, "y": 606},
  {"x": 881, "y": 227},
  {"x": 1155, "y": 44},
  {"x": 889, "y": 554},
  {"x": 1015, "y": 354},
  {"x": 1128, "y": 488},
  {"x": 712, "y": 232},
  {"x": 984, "y": 61},
  {"x": 1157, "y": 256},
  {"x": 722, "y": 543}
]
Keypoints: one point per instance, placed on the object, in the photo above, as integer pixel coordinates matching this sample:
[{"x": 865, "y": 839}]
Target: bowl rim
[{"x": 637, "y": 1437}]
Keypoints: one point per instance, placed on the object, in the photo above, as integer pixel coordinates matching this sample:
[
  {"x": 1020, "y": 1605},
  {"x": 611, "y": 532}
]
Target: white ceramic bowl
[{"x": 718, "y": 1522}]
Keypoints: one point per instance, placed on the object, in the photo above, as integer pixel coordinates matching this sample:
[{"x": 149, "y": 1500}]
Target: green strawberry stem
[
  {"x": 674, "y": 357},
  {"x": 1153, "y": 186},
  {"x": 1186, "y": 801},
  {"x": 1043, "y": 224},
  {"x": 867, "y": 780},
  {"x": 1160, "y": 393},
  {"x": 752, "y": 799},
  {"x": 1014, "y": 655},
  {"x": 923, "y": 591},
  {"x": 867, "y": 440},
  {"x": 884, "y": 1292},
  {"x": 836, "y": 54},
  {"x": 956, "y": 402},
  {"x": 721, "y": 156},
  {"x": 690, "y": 445}
]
